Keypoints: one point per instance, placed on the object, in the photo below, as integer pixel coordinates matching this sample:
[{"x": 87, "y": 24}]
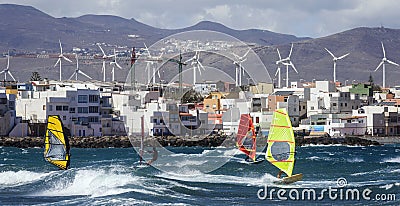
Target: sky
[{"x": 303, "y": 18}]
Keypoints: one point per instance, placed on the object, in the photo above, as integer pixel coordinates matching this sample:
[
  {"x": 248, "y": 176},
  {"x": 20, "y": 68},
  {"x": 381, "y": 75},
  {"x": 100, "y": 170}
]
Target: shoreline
[{"x": 199, "y": 141}]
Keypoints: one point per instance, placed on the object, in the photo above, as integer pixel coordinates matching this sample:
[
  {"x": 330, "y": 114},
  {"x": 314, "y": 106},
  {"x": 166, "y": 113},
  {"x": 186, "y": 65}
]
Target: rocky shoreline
[{"x": 200, "y": 141}]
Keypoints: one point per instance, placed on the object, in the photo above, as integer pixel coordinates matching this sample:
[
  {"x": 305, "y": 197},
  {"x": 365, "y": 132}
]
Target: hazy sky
[{"x": 313, "y": 18}]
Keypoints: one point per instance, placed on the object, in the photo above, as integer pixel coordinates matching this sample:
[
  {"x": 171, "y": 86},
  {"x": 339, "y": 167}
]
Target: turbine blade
[
  {"x": 201, "y": 65},
  {"x": 8, "y": 60},
  {"x": 72, "y": 75},
  {"x": 279, "y": 54},
  {"x": 66, "y": 58},
  {"x": 343, "y": 56},
  {"x": 383, "y": 49},
  {"x": 292, "y": 65},
  {"x": 118, "y": 65},
  {"x": 59, "y": 59},
  {"x": 102, "y": 51},
  {"x": 330, "y": 53},
  {"x": 61, "y": 50},
  {"x": 394, "y": 63},
  {"x": 277, "y": 71},
  {"x": 2, "y": 72},
  {"x": 81, "y": 72},
  {"x": 246, "y": 53},
  {"x": 235, "y": 55},
  {"x": 380, "y": 64},
  {"x": 9, "y": 73},
  {"x": 291, "y": 49},
  {"x": 158, "y": 73}
]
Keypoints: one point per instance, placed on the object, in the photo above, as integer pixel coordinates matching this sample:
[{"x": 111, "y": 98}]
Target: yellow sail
[
  {"x": 281, "y": 142},
  {"x": 56, "y": 144}
]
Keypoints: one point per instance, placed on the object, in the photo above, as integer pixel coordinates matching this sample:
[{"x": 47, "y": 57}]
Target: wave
[
  {"x": 196, "y": 176},
  {"x": 392, "y": 160},
  {"x": 355, "y": 159},
  {"x": 22, "y": 177},
  {"x": 90, "y": 182}
]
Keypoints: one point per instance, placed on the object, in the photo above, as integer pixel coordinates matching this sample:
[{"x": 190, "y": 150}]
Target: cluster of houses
[{"x": 107, "y": 109}]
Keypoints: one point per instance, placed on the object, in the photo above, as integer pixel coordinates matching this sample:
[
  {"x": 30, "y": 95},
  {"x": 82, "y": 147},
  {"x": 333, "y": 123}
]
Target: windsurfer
[
  {"x": 279, "y": 174},
  {"x": 155, "y": 156}
]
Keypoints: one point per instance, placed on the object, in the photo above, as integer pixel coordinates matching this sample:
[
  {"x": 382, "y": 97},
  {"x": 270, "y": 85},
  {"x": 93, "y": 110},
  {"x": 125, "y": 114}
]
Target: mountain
[
  {"x": 364, "y": 45},
  {"x": 25, "y": 28}
]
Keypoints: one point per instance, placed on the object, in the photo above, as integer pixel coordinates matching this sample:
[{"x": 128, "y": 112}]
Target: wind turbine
[
  {"x": 151, "y": 62},
  {"x": 61, "y": 56},
  {"x": 105, "y": 57},
  {"x": 78, "y": 71},
  {"x": 6, "y": 70},
  {"x": 238, "y": 62},
  {"x": 334, "y": 62},
  {"x": 197, "y": 65},
  {"x": 114, "y": 63},
  {"x": 287, "y": 62},
  {"x": 384, "y": 60}
]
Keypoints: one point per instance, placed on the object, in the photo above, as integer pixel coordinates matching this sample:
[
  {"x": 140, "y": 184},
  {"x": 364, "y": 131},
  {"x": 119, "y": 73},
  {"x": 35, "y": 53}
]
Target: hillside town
[{"x": 94, "y": 108}]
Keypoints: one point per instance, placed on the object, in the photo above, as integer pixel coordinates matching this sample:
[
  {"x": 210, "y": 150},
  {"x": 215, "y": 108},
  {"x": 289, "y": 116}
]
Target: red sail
[{"x": 246, "y": 137}]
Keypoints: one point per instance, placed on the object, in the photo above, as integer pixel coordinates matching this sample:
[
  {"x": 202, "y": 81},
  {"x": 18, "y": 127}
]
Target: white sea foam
[
  {"x": 94, "y": 183},
  {"x": 392, "y": 160},
  {"x": 355, "y": 159},
  {"x": 12, "y": 178},
  {"x": 195, "y": 176}
]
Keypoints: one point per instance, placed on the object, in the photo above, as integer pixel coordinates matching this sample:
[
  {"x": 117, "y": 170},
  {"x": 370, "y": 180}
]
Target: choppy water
[{"x": 112, "y": 177}]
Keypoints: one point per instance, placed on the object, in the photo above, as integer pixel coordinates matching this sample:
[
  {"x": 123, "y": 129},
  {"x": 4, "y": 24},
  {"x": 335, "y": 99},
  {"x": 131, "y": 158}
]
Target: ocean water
[{"x": 112, "y": 177}]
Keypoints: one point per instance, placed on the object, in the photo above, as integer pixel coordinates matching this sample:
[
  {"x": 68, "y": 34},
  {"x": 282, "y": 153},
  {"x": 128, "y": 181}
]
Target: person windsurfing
[{"x": 155, "y": 156}]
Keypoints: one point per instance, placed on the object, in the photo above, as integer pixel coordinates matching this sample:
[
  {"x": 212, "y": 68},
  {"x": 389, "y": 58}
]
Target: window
[
  {"x": 82, "y": 110},
  {"x": 50, "y": 107},
  {"x": 65, "y": 108},
  {"x": 44, "y": 107},
  {"x": 93, "y": 109},
  {"x": 58, "y": 108},
  {"x": 312, "y": 108},
  {"x": 93, "y": 98},
  {"x": 82, "y": 98},
  {"x": 93, "y": 119},
  {"x": 64, "y": 118},
  {"x": 257, "y": 119},
  {"x": 334, "y": 104},
  {"x": 72, "y": 110}
]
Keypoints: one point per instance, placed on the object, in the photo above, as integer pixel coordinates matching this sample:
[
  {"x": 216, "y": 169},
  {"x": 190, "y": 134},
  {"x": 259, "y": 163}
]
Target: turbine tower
[
  {"x": 105, "y": 57},
  {"x": 238, "y": 62},
  {"x": 383, "y": 61},
  {"x": 78, "y": 71},
  {"x": 60, "y": 57},
  {"x": 6, "y": 70},
  {"x": 334, "y": 62},
  {"x": 114, "y": 63},
  {"x": 287, "y": 62},
  {"x": 197, "y": 65}
]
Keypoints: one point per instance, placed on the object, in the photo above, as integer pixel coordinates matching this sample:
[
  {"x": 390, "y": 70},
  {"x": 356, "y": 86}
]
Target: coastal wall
[{"x": 201, "y": 141}]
